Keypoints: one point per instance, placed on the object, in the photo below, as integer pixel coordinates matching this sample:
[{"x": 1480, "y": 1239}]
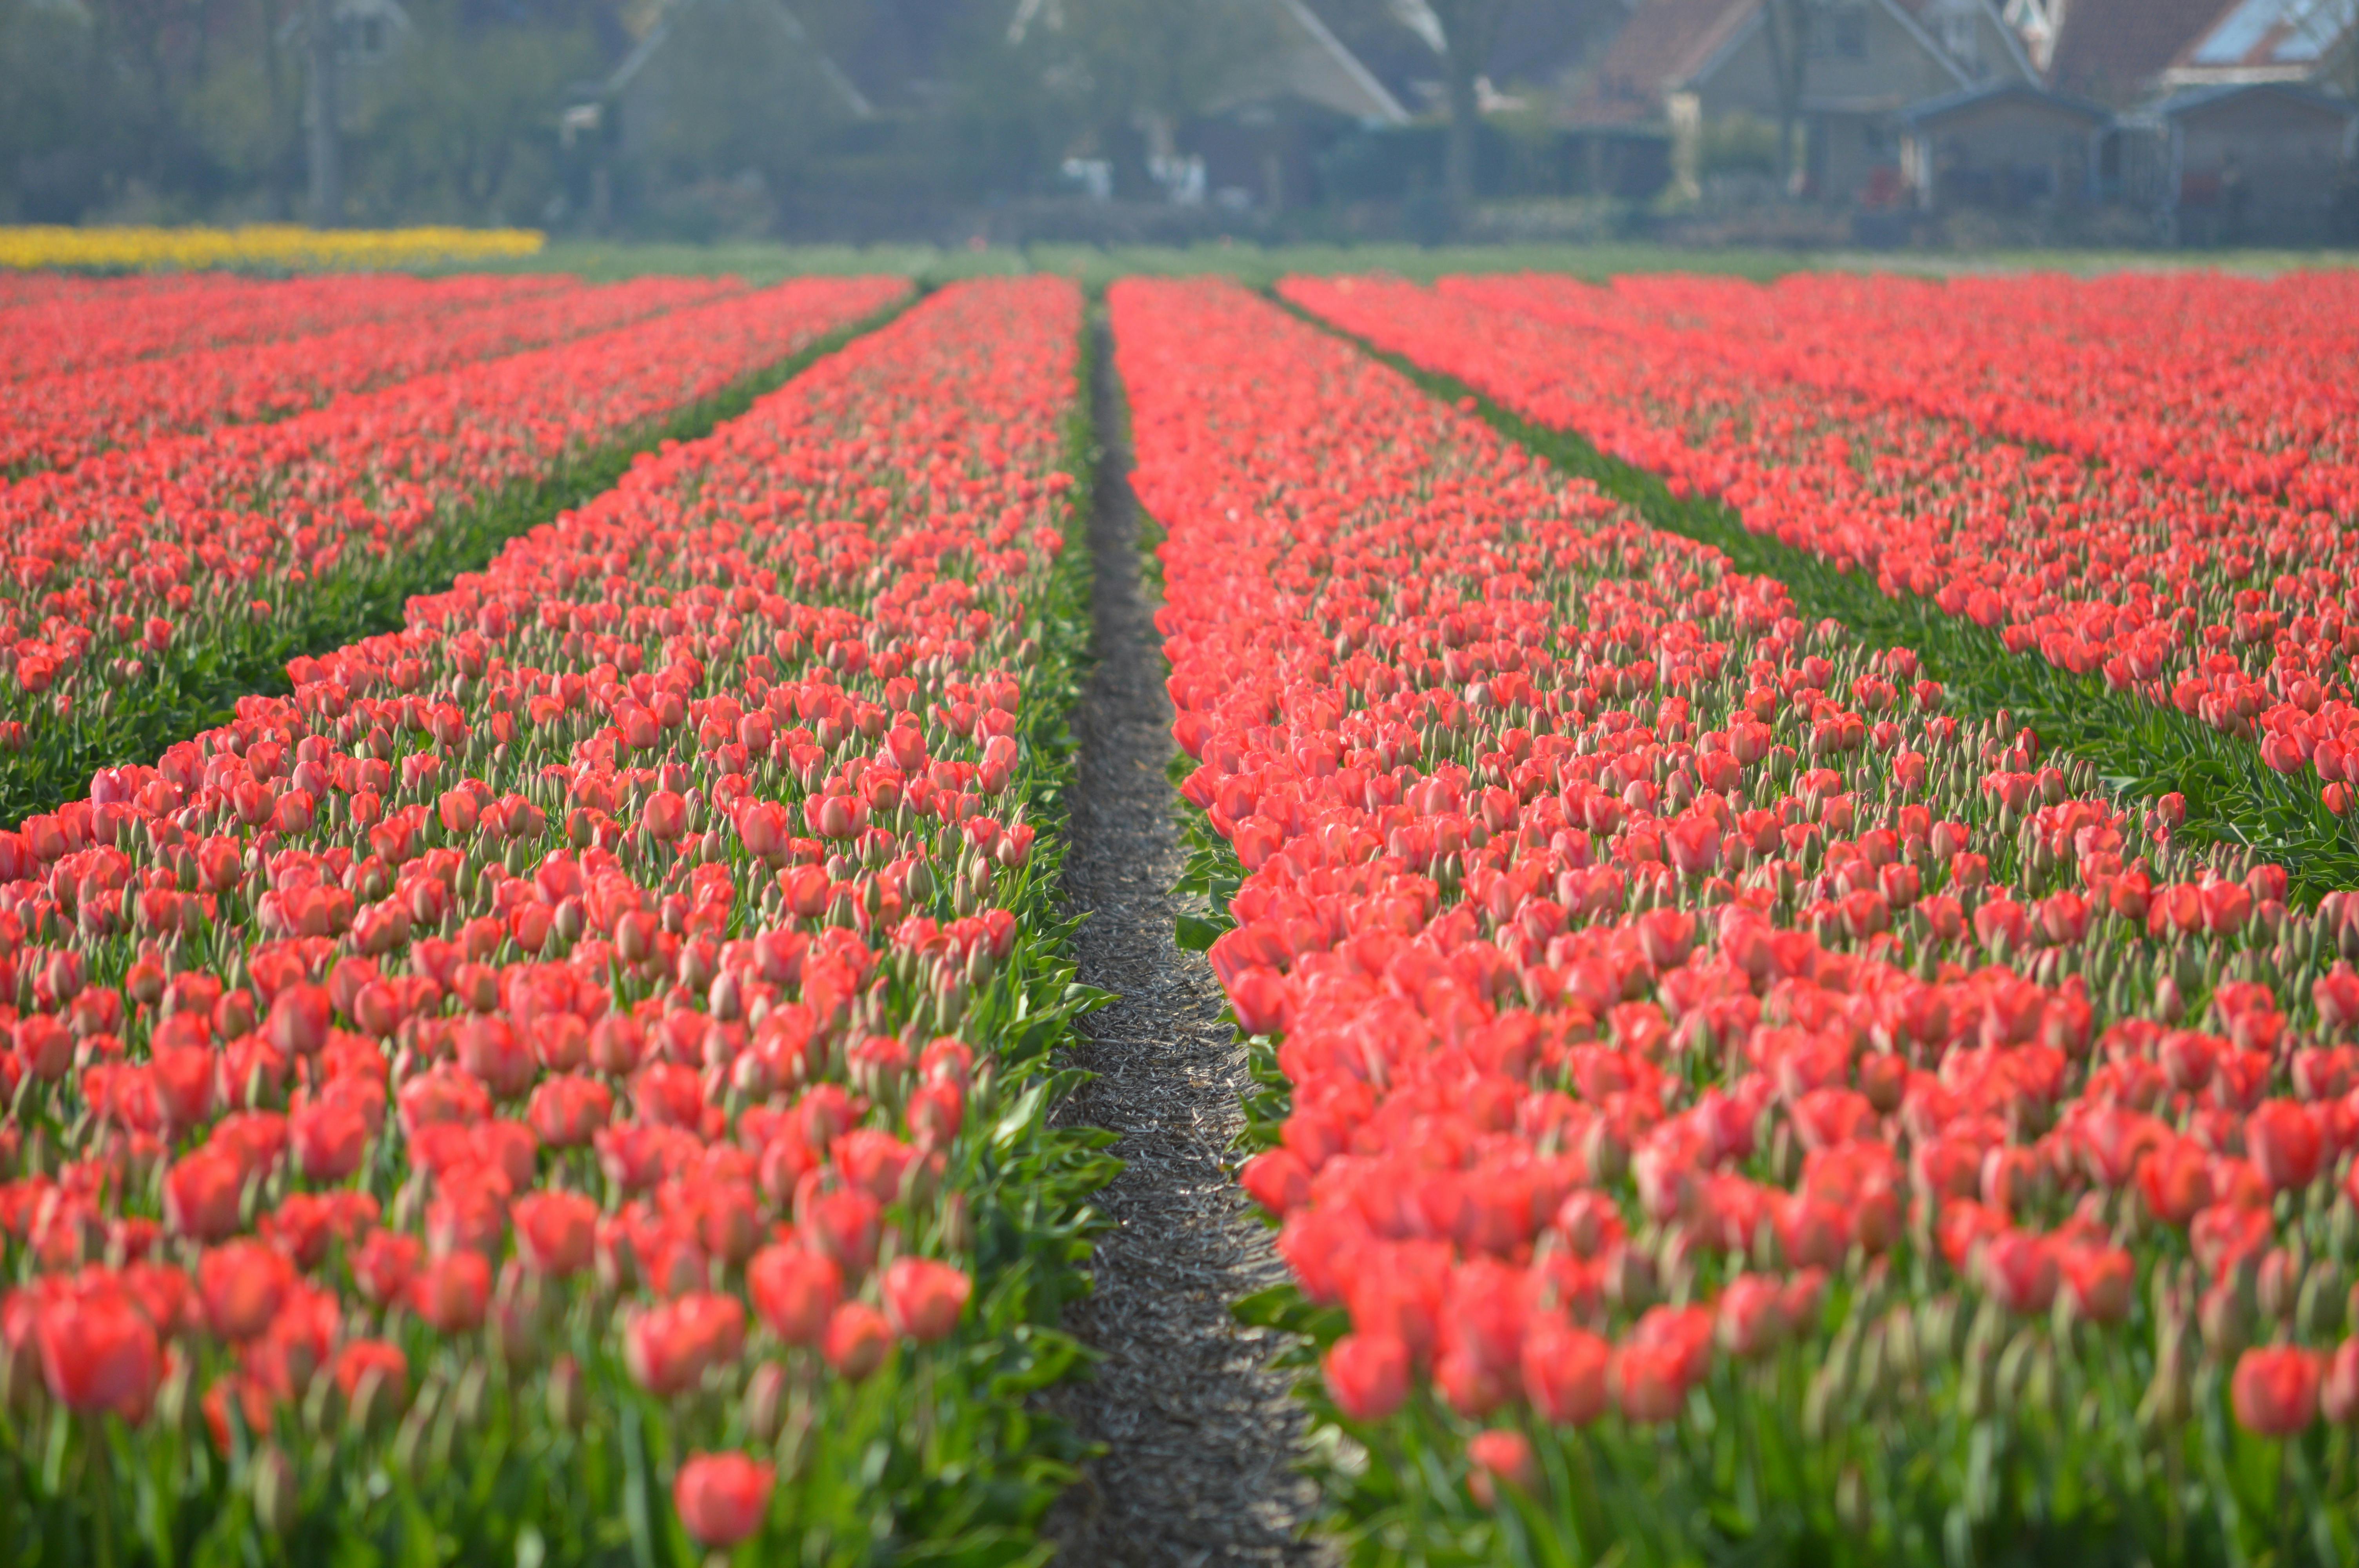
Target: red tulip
[
  {"x": 568, "y": 1110},
  {"x": 1277, "y": 1179},
  {"x": 2019, "y": 1269},
  {"x": 722, "y": 1497},
  {"x": 935, "y": 1113},
  {"x": 452, "y": 1291},
  {"x": 1751, "y": 1316},
  {"x": 203, "y": 1194},
  {"x": 2175, "y": 1180},
  {"x": 845, "y": 1226},
  {"x": 459, "y": 811},
  {"x": 360, "y": 1359},
  {"x": 490, "y": 1049},
  {"x": 1367, "y": 1375},
  {"x": 857, "y": 1340},
  {"x": 2102, "y": 1280},
  {"x": 796, "y": 1292},
  {"x": 665, "y": 816},
  {"x": 1564, "y": 1372},
  {"x": 669, "y": 1349},
  {"x": 385, "y": 1264},
  {"x": 1500, "y": 1455},
  {"x": 242, "y": 1285},
  {"x": 2274, "y": 1391},
  {"x": 99, "y": 1353},
  {"x": 329, "y": 1140},
  {"x": 923, "y": 1299},
  {"x": 1648, "y": 1381},
  {"x": 556, "y": 1232},
  {"x": 299, "y": 1019},
  {"x": 2339, "y": 1390},
  {"x": 2284, "y": 1143}
]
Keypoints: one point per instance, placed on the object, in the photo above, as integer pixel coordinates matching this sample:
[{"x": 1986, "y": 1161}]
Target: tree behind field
[
  {"x": 186, "y": 110},
  {"x": 466, "y": 130}
]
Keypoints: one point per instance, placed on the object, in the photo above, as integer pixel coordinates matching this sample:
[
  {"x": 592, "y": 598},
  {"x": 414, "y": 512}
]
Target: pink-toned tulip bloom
[
  {"x": 722, "y": 1497},
  {"x": 923, "y": 1299},
  {"x": 1368, "y": 1375},
  {"x": 2275, "y": 1390}
]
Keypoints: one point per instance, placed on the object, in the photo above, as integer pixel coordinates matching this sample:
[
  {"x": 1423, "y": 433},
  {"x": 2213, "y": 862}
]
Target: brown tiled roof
[
  {"x": 1663, "y": 42},
  {"x": 2112, "y": 49}
]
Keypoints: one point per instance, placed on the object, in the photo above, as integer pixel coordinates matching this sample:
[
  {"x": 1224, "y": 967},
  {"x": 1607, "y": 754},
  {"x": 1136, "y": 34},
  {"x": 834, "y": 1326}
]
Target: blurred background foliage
[{"x": 705, "y": 120}]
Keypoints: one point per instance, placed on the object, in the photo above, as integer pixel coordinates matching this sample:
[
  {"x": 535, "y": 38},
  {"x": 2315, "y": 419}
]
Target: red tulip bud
[
  {"x": 923, "y": 1299},
  {"x": 452, "y": 1291},
  {"x": 298, "y": 1019},
  {"x": 722, "y": 1497},
  {"x": 556, "y": 1232},
  {"x": 2339, "y": 1391},
  {"x": 795, "y": 1290},
  {"x": 857, "y": 1340},
  {"x": 1500, "y": 1455},
  {"x": 2275, "y": 1390},
  {"x": 1367, "y": 1375},
  {"x": 1564, "y": 1371},
  {"x": 99, "y": 1352}
]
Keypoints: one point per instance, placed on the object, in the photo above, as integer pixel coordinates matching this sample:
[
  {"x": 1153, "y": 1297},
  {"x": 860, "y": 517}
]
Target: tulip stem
[{"x": 2284, "y": 1514}]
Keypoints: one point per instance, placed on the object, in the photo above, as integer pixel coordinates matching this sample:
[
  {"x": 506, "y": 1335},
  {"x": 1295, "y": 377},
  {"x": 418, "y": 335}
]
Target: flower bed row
[
  {"x": 55, "y": 420},
  {"x": 2143, "y": 749},
  {"x": 2220, "y": 606},
  {"x": 569, "y": 1083},
  {"x": 1715, "y": 1100},
  {"x": 78, "y": 325},
  {"x": 2227, "y": 383},
  {"x": 148, "y": 587}
]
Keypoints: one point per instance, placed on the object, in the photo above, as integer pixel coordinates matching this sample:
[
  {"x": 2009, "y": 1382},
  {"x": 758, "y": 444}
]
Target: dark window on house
[
  {"x": 1839, "y": 32},
  {"x": 363, "y": 37}
]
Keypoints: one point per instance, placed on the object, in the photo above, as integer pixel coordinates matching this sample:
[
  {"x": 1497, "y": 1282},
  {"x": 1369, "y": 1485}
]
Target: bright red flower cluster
[
  {"x": 54, "y": 420},
  {"x": 2204, "y": 584},
  {"x": 1660, "y": 983},
  {"x": 579, "y": 977},
  {"x": 135, "y": 550},
  {"x": 82, "y": 325},
  {"x": 2229, "y": 383}
]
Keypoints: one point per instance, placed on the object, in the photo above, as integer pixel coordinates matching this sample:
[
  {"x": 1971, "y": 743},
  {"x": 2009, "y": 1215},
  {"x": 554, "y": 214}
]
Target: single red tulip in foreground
[{"x": 722, "y": 1497}]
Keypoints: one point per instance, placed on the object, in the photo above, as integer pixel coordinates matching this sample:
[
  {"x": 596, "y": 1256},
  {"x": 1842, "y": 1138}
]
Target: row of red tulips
[
  {"x": 55, "y": 420},
  {"x": 115, "y": 322},
  {"x": 2234, "y": 383},
  {"x": 171, "y": 553},
  {"x": 2226, "y": 606},
  {"x": 1719, "y": 1100},
  {"x": 589, "y": 1046}
]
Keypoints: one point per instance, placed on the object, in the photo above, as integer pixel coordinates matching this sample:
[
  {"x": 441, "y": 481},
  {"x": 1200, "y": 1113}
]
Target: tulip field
[
  {"x": 465, "y": 1108},
  {"x": 1781, "y": 857},
  {"x": 1720, "y": 1101},
  {"x": 165, "y": 577}
]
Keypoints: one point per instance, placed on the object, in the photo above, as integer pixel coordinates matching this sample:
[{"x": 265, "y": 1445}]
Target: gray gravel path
[{"x": 1201, "y": 1435}]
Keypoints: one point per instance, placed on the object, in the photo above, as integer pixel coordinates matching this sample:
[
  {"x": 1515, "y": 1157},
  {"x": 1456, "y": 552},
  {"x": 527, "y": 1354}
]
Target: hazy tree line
[{"x": 180, "y": 109}]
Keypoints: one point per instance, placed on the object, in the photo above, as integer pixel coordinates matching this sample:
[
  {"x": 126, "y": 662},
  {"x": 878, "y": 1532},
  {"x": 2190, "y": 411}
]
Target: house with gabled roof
[
  {"x": 2010, "y": 145},
  {"x": 1679, "y": 66},
  {"x": 2256, "y": 163},
  {"x": 2303, "y": 43},
  {"x": 2111, "y": 51}
]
